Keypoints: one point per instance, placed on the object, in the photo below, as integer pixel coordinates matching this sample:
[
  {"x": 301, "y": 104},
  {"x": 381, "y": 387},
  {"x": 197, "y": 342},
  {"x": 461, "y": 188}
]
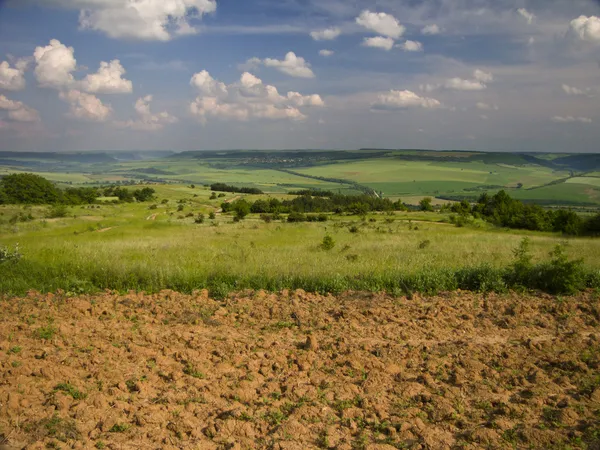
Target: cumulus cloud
[
  {"x": 54, "y": 65},
  {"x": 396, "y": 100},
  {"x": 249, "y": 98},
  {"x": 12, "y": 78},
  {"x": 85, "y": 106},
  {"x": 526, "y": 14},
  {"x": 384, "y": 43},
  {"x": 571, "y": 119},
  {"x": 431, "y": 30},
  {"x": 108, "y": 80},
  {"x": 326, "y": 35},
  {"x": 412, "y": 46},
  {"x": 478, "y": 83},
  {"x": 148, "y": 19},
  {"x": 292, "y": 65},
  {"x": 381, "y": 23},
  {"x": 487, "y": 107},
  {"x": 18, "y": 111},
  {"x": 586, "y": 29},
  {"x": 146, "y": 120},
  {"x": 326, "y": 52}
]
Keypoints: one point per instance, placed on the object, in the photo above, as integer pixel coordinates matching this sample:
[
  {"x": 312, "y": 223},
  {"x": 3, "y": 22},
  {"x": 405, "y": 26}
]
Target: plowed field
[{"x": 297, "y": 371}]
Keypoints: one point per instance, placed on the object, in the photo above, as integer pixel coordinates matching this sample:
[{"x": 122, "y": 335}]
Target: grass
[
  {"x": 71, "y": 390},
  {"x": 133, "y": 252}
]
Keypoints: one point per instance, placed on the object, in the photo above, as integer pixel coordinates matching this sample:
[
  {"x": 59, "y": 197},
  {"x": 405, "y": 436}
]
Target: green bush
[
  {"x": 57, "y": 211},
  {"x": 328, "y": 243}
]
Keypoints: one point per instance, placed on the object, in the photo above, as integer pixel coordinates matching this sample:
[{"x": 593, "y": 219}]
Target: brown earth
[{"x": 299, "y": 371}]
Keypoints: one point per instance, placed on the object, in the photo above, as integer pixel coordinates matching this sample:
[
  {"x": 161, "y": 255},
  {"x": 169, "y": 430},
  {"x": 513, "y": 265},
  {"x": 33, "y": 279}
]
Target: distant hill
[{"x": 84, "y": 157}]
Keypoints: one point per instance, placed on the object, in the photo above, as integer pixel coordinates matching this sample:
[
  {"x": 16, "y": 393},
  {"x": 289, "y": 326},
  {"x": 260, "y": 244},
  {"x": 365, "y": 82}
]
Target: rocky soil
[{"x": 299, "y": 371}]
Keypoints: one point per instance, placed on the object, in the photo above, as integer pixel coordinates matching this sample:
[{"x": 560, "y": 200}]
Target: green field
[
  {"x": 397, "y": 174},
  {"x": 130, "y": 246}
]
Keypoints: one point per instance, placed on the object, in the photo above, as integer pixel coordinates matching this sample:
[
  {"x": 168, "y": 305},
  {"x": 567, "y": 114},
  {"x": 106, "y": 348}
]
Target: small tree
[
  {"x": 328, "y": 243},
  {"x": 425, "y": 204}
]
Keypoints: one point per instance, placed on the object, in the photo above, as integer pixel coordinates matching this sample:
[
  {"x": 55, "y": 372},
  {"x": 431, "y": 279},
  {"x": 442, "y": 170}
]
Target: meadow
[{"x": 148, "y": 247}]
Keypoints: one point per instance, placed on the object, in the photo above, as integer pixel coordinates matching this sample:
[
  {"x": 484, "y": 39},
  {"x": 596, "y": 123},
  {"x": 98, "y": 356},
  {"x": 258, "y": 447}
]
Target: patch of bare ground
[{"x": 300, "y": 371}]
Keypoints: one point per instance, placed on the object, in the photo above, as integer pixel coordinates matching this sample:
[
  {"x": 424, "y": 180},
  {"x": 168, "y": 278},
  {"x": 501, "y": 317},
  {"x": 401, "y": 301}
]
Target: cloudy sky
[{"x": 513, "y": 75}]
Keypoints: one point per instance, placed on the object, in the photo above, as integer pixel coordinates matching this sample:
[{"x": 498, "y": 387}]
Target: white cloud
[
  {"x": 86, "y": 106},
  {"x": 18, "y": 111},
  {"x": 143, "y": 19},
  {"x": 412, "y": 46},
  {"x": 480, "y": 77},
  {"x": 527, "y": 15},
  {"x": 573, "y": 90},
  {"x": 147, "y": 121},
  {"x": 108, "y": 80},
  {"x": 458, "y": 84},
  {"x": 326, "y": 35},
  {"x": 326, "y": 52},
  {"x": 586, "y": 28},
  {"x": 395, "y": 100},
  {"x": 570, "y": 119},
  {"x": 207, "y": 85},
  {"x": 12, "y": 79},
  {"x": 428, "y": 87},
  {"x": 431, "y": 30},
  {"x": 486, "y": 107},
  {"x": 484, "y": 77},
  {"x": 249, "y": 98},
  {"x": 384, "y": 43},
  {"x": 292, "y": 65},
  {"x": 54, "y": 64},
  {"x": 381, "y": 23}
]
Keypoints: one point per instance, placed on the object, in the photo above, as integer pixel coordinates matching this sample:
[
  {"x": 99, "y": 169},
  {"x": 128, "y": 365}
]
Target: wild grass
[{"x": 119, "y": 249}]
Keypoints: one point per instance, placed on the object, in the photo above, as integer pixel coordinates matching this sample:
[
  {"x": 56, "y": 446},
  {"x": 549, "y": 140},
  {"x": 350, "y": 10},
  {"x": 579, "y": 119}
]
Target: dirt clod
[{"x": 299, "y": 371}]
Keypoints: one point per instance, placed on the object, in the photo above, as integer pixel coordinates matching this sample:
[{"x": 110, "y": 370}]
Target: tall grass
[{"x": 386, "y": 255}]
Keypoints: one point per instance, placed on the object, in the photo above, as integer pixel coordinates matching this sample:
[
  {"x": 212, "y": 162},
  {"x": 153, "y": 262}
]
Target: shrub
[
  {"x": 57, "y": 211},
  {"x": 294, "y": 217},
  {"x": 10, "y": 256},
  {"x": 212, "y": 216},
  {"x": 560, "y": 275},
  {"x": 153, "y": 207},
  {"x": 425, "y": 204},
  {"x": 328, "y": 243},
  {"x": 267, "y": 218},
  {"x": 353, "y": 229},
  {"x": 199, "y": 219},
  {"x": 180, "y": 208},
  {"x": 424, "y": 244}
]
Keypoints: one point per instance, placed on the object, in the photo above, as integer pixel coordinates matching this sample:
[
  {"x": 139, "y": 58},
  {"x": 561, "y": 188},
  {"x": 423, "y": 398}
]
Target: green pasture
[{"x": 130, "y": 246}]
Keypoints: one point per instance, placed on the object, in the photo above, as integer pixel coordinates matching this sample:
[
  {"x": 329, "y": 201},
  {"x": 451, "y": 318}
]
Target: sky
[{"x": 495, "y": 75}]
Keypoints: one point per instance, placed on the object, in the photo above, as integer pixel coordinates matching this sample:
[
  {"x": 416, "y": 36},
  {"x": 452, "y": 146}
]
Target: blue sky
[{"x": 508, "y": 75}]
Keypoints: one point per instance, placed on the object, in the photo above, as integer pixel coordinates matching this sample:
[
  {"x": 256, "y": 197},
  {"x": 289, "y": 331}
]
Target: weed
[
  {"x": 119, "y": 428},
  {"x": 190, "y": 370},
  {"x": 68, "y": 388}
]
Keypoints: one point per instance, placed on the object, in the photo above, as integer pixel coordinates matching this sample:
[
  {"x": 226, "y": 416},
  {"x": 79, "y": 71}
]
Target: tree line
[
  {"x": 504, "y": 211},
  {"x": 222, "y": 187}
]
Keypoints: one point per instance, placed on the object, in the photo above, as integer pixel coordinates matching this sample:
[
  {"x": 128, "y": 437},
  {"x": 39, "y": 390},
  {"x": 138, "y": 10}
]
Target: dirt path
[
  {"x": 300, "y": 371},
  {"x": 152, "y": 217}
]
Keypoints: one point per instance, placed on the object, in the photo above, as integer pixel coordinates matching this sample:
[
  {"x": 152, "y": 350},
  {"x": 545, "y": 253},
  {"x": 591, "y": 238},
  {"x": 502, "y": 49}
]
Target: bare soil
[{"x": 299, "y": 371}]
